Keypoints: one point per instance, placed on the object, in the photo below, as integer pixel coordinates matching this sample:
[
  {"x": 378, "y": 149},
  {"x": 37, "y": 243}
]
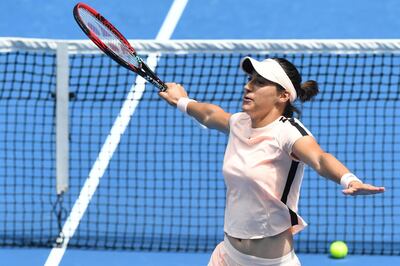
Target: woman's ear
[{"x": 284, "y": 96}]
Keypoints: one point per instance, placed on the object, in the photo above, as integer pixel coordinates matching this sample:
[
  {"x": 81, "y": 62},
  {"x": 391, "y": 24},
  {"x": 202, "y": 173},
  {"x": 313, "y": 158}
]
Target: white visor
[{"x": 271, "y": 70}]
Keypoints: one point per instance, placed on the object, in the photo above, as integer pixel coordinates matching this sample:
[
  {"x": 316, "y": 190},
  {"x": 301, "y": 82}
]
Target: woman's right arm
[{"x": 210, "y": 115}]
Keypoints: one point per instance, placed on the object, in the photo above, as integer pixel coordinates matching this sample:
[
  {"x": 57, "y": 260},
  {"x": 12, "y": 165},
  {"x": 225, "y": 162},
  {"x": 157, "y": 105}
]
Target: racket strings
[{"x": 108, "y": 37}]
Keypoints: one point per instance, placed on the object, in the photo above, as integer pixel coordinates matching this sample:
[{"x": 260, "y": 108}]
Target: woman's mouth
[{"x": 247, "y": 99}]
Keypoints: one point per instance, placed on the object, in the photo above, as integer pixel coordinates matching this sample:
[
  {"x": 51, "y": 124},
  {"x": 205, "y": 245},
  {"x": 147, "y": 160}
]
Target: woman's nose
[{"x": 247, "y": 87}]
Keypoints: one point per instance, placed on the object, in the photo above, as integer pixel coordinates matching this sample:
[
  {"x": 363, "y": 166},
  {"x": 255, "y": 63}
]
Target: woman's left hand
[{"x": 356, "y": 188}]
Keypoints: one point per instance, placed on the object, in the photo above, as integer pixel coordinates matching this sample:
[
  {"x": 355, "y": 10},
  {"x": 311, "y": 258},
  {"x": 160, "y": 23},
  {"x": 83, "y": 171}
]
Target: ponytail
[
  {"x": 308, "y": 90},
  {"x": 305, "y": 91}
]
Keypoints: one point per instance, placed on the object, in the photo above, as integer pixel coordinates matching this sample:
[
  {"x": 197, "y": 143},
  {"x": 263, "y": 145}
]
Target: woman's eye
[{"x": 258, "y": 82}]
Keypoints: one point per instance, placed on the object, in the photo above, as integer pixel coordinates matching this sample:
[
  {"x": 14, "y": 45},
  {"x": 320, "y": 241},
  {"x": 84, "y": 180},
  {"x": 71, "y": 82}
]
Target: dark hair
[{"x": 305, "y": 91}]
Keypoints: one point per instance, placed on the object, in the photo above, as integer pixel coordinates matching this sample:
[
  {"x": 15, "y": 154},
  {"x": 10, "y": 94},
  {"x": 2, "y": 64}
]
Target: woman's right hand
[{"x": 173, "y": 93}]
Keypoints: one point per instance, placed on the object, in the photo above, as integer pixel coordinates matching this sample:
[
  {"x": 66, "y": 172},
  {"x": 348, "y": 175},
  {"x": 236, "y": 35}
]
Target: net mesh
[{"x": 163, "y": 189}]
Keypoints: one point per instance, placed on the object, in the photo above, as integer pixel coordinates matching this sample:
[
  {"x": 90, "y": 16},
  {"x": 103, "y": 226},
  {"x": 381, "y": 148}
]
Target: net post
[{"x": 62, "y": 120}]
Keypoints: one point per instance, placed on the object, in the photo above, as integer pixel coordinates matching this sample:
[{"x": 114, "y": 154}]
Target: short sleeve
[
  {"x": 290, "y": 131},
  {"x": 234, "y": 118}
]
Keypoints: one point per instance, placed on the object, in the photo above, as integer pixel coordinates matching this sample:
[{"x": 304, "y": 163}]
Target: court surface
[{"x": 211, "y": 19}]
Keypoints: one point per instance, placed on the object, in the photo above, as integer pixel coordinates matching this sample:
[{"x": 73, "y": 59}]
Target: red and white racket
[{"x": 113, "y": 43}]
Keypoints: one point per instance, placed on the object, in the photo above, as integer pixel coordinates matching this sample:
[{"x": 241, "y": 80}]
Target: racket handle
[
  {"x": 156, "y": 82},
  {"x": 161, "y": 86},
  {"x": 151, "y": 77}
]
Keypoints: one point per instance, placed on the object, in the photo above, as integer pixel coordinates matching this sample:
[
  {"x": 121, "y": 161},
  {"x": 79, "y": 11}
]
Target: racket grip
[
  {"x": 163, "y": 86},
  {"x": 159, "y": 84},
  {"x": 151, "y": 77}
]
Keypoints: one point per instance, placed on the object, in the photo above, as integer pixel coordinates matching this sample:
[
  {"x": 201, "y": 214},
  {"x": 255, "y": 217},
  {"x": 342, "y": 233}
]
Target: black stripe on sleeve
[
  {"x": 293, "y": 122},
  {"x": 299, "y": 128}
]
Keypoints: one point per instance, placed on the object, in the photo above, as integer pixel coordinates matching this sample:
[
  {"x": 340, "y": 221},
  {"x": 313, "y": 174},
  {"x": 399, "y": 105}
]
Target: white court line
[{"x": 112, "y": 141}]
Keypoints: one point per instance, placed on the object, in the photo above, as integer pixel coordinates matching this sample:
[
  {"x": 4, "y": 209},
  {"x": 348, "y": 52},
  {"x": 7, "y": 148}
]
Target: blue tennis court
[{"x": 184, "y": 215}]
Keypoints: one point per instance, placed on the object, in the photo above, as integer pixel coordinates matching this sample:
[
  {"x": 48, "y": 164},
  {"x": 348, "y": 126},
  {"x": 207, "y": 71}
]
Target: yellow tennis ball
[{"x": 338, "y": 249}]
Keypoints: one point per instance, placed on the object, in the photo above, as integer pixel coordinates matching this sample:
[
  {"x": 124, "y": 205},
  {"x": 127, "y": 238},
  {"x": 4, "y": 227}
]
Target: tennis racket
[{"x": 113, "y": 43}]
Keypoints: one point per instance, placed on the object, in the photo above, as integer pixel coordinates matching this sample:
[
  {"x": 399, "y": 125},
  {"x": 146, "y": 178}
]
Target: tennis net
[{"x": 162, "y": 188}]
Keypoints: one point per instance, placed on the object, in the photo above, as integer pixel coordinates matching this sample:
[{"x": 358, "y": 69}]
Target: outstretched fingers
[{"x": 363, "y": 189}]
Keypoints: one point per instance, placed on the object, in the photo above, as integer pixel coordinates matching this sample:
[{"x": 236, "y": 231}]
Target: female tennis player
[{"x": 263, "y": 163}]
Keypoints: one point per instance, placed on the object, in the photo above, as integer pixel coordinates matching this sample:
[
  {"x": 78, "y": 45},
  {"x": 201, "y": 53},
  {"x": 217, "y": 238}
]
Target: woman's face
[{"x": 260, "y": 96}]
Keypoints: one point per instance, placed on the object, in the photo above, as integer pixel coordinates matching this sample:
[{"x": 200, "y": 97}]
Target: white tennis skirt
[{"x": 226, "y": 255}]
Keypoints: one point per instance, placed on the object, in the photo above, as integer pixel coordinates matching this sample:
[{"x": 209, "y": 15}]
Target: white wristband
[
  {"x": 182, "y": 104},
  {"x": 347, "y": 179}
]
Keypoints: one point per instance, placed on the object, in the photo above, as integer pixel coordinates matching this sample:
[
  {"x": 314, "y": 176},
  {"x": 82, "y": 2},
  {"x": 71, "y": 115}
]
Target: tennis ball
[{"x": 338, "y": 249}]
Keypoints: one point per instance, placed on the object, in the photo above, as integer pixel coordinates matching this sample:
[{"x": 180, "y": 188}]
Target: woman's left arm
[{"x": 307, "y": 150}]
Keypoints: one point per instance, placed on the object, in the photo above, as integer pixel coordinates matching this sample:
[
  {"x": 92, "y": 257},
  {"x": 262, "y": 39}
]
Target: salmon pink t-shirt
[{"x": 262, "y": 178}]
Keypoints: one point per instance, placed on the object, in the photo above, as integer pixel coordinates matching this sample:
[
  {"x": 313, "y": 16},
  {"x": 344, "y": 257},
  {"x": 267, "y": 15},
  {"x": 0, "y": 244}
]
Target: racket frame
[{"x": 143, "y": 70}]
